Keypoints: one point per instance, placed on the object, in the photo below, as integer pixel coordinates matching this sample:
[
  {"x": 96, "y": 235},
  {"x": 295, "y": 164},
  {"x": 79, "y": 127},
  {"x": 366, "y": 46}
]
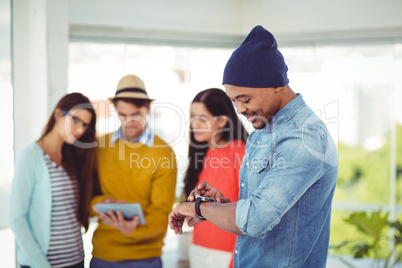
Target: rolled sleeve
[
  {"x": 242, "y": 209},
  {"x": 258, "y": 214}
]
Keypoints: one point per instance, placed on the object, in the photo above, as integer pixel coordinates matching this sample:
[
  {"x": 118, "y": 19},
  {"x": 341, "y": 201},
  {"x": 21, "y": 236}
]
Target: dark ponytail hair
[
  {"x": 80, "y": 162},
  {"x": 217, "y": 103}
]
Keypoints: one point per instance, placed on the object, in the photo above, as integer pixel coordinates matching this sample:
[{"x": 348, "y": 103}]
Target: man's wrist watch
[{"x": 197, "y": 205}]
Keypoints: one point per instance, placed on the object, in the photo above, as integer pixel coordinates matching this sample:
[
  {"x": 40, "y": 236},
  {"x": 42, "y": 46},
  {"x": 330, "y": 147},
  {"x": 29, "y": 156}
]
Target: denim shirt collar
[
  {"x": 285, "y": 114},
  {"x": 146, "y": 138}
]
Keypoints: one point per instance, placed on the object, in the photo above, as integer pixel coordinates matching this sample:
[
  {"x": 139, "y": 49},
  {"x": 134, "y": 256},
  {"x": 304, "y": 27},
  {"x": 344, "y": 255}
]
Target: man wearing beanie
[{"x": 288, "y": 174}]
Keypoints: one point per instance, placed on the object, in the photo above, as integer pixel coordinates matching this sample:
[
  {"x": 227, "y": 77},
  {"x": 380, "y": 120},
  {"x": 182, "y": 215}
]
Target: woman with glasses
[
  {"x": 217, "y": 145},
  {"x": 54, "y": 181}
]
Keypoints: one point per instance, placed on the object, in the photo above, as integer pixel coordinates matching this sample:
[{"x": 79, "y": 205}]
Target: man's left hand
[
  {"x": 117, "y": 220},
  {"x": 179, "y": 214}
]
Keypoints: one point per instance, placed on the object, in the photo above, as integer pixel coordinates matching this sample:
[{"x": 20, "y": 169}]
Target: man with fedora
[
  {"x": 288, "y": 174},
  {"x": 135, "y": 166}
]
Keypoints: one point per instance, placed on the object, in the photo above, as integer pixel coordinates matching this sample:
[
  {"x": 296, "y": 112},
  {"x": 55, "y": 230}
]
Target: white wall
[
  {"x": 40, "y": 59},
  {"x": 289, "y": 20},
  {"x": 29, "y": 75},
  {"x": 290, "y": 16},
  {"x": 208, "y": 16},
  {"x": 182, "y": 22}
]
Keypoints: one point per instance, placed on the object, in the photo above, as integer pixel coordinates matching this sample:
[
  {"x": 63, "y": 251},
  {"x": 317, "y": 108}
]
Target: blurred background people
[
  {"x": 135, "y": 166},
  {"x": 55, "y": 179},
  {"x": 217, "y": 145}
]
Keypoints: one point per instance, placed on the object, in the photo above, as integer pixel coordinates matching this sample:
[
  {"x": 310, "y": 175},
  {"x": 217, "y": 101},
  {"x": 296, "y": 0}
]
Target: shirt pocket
[{"x": 258, "y": 164}]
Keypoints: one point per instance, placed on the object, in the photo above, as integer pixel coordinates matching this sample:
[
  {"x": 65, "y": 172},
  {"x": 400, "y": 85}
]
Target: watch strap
[{"x": 197, "y": 208}]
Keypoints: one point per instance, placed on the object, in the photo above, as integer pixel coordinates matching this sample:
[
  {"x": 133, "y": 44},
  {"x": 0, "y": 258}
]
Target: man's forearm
[{"x": 221, "y": 215}]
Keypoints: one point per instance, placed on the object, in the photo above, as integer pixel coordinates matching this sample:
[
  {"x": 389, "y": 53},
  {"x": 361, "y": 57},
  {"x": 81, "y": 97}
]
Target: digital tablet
[{"x": 129, "y": 210}]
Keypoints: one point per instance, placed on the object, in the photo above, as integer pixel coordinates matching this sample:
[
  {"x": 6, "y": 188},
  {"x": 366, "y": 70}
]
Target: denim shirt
[{"x": 287, "y": 181}]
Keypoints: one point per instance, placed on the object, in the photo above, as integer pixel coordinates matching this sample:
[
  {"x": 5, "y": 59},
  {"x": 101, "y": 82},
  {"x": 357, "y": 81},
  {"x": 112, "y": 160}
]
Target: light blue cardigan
[{"x": 30, "y": 207}]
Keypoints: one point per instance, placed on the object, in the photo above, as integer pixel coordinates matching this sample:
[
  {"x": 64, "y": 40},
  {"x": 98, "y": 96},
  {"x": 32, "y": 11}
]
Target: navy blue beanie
[{"x": 257, "y": 62}]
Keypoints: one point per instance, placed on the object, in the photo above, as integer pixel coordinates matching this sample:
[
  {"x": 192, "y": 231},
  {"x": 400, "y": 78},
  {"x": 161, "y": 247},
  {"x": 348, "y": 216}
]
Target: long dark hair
[
  {"x": 80, "y": 163},
  {"x": 217, "y": 103}
]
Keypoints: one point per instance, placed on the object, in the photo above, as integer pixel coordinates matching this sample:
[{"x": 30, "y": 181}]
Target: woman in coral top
[{"x": 217, "y": 145}]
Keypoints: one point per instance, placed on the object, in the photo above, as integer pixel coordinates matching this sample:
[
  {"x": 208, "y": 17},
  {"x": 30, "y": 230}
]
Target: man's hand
[
  {"x": 117, "y": 220},
  {"x": 179, "y": 214},
  {"x": 207, "y": 190}
]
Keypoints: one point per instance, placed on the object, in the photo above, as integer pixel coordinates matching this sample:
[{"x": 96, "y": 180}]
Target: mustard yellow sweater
[{"x": 137, "y": 174}]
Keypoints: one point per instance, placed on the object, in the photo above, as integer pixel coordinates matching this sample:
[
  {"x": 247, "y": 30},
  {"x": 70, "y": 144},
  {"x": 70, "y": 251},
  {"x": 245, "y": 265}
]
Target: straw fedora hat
[{"x": 132, "y": 87}]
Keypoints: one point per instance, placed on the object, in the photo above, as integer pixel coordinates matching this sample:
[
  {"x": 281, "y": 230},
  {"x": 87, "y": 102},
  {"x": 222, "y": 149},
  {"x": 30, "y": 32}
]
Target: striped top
[{"x": 65, "y": 248}]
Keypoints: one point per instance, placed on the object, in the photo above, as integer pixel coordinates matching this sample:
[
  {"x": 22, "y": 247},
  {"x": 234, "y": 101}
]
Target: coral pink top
[{"x": 221, "y": 169}]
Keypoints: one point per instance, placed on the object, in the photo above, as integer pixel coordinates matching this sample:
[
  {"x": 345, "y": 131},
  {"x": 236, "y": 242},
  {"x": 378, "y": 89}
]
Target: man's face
[
  {"x": 132, "y": 118},
  {"x": 258, "y": 105}
]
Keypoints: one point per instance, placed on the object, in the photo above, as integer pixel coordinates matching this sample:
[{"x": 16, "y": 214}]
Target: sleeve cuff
[
  {"x": 256, "y": 226},
  {"x": 242, "y": 209}
]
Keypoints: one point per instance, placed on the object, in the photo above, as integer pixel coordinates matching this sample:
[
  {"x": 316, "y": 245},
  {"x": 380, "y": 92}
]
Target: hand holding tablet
[{"x": 129, "y": 210}]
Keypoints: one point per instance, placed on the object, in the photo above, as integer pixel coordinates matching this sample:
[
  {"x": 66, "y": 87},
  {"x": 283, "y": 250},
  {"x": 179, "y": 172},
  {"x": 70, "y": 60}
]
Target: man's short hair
[{"x": 137, "y": 102}]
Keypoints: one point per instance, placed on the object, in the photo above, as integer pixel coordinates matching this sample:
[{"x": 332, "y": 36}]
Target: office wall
[
  {"x": 290, "y": 16},
  {"x": 207, "y": 16},
  {"x": 40, "y": 59},
  {"x": 291, "y": 21}
]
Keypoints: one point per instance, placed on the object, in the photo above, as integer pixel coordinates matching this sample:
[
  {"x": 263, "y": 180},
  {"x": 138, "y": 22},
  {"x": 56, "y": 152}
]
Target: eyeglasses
[{"x": 77, "y": 122}]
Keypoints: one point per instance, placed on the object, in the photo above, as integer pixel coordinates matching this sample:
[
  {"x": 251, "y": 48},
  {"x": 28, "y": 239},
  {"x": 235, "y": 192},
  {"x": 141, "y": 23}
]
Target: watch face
[
  {"x": 206, "y": 199},
  {"x": 201, "y": 217}
]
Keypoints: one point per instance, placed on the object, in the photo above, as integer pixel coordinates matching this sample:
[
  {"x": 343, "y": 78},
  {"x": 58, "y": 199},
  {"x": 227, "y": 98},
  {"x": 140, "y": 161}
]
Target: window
[{"x": 355, "y": 90}]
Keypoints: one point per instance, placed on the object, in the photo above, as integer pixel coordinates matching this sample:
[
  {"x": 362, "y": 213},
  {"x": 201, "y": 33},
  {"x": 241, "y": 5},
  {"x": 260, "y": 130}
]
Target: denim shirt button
[
  {"x": 236, "y": 252},
  {"x": 258, "y": 142},
  {"x": 246, "y": 163},
  {"x": 242, "y": 184}
]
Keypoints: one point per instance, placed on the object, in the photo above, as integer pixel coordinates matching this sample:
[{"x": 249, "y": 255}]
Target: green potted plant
[{"x": 375, "y": 229}]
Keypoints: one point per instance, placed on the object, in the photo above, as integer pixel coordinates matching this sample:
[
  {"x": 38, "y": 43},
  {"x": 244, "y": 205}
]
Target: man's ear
[
  {"x": 222, "y": 121},
  {"x": 278, "y": 89},
  {"x": 148, "y": 107}
]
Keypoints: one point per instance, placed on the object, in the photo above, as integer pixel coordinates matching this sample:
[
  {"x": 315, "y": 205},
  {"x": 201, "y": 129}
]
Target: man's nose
[
  {"x": 132, "y": 120},
  {"x": 240, "y": 107}
]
